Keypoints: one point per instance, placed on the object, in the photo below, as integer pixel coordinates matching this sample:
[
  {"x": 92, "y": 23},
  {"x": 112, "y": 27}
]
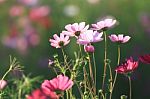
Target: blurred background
[{"x": 27, "y": 25}]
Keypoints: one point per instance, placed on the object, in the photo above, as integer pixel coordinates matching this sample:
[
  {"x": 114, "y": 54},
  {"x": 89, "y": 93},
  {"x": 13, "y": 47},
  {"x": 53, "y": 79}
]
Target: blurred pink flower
[
  {"x": 127, "y": 67},
  {"x": 34, "y": 39},
  {"x": 2, "y": 1},
  {"x": 37, "y": 94},
  {"x": 3, "y": 83},
  {"x": 145, "y": 58},
  {"x": 104, "y": 24},
  {"x": 119, "y": 38},
  {"x": 22, "y": 45},
  {"x": 89, "y": 36},
  {"x": 40, "y": 94},
  {"x": 39, "y": 12},
  {"x": 16, "y": 10},
  {"x": 75, "y": 29},
  {"x": 29, "y": 2},
  {"x": 89, "y": 48},
  {"x": 60, "y": 83},
  {"x": 59, "y": 42}
]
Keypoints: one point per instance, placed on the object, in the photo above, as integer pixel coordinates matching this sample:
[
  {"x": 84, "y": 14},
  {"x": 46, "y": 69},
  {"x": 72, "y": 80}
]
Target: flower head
[
  {"x": 104, "y": 24},
  {"x": 89, "y": 36},
  {"x": 3, "y": 83},
  {"x": 60, "y": 83},
  {"x": 75, "y": 29},
  {"x": 59, "y": 42},
  {"x": 145, "y": 58},
  {"x": 119, "y": 38},
  {"x": 127, "y": 67}
]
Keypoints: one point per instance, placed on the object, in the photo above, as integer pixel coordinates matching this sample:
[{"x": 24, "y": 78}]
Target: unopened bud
[
  {"x": 3, "y": 83},
  {"x": 89, "y": 48}
]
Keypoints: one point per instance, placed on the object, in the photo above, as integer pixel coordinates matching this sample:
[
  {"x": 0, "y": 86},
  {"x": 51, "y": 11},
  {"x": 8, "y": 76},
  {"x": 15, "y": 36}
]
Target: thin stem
[
  {"x": 118, "y": 61},
  {"x": 79, "y": 88},
  {"x": 67, "y": 94},
  {"x": 130, "y": 86},
  {"x": 111, "y": 79},
  {"x": 87, "y": 84},
  {"x": 105, "y": 57},
  {"x": 113, "y": 85},
  {"x": 64, "y": 55},
  {"x": 118, "y": 55},
  {"x": 80, "y": 49},
  {"x": 19, "y": 93},
  {"x": 94, "y": 69},
  {"x": 91, "y": 74}
]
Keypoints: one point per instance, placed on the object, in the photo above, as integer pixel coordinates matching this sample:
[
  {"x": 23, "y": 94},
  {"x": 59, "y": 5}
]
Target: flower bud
[
  {"x": 89, "y": 48},
  {"x": 123, "y": 97},
  {"x": 3, "y": 83}
]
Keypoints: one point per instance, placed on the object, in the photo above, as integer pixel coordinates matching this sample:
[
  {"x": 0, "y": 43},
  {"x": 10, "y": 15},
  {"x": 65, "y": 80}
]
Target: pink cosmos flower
[
  {"x": 60, "y": 83},
  {"x": 119, "y": 38},
  {"x": 89, "y": 36},
  {"x": 3, "y": 83},
  {"x": 104, "y": 24},
  {"x": 37, "y": 94},
  {"x": 145, "y": 58},
  {"x": 59, "y": 42},
  {"x": 75, "y": 29},
  {"x": 89, "y": 48},
  {"x": 127, "y": 67}
]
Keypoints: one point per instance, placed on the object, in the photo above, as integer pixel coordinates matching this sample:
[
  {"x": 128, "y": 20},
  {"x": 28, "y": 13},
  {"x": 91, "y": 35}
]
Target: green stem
[
  {"x": 67, "y": 95},
  {"x": 94, "y": 69},
  {"x": 118, "y": 55},
  {"x": 19, "y": 94},
  {"x": 105, "y": 57},
  {"x": 63, "y": 55},
  {"x": 118, "y": 61},
  {"x": 80, "y": 49},
  {"x": 111, "y": 79},
  {"x": 91, "y": 74},
  {"x": 130, "y": 86}
]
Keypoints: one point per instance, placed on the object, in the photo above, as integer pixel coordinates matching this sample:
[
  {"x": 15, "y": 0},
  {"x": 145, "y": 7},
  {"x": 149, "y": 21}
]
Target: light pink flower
[
  {"x": 75, "y": 29},
  {"x": 60, "y": 83},
  {"x": 89, "y": 36},
  {"x": 104, "y": 24},
  {"x": 127, "y": 67},
  {"x": 3, "y": 83},
  {"x": 59, "y": 42},
  {"x": 119, "y": 38}
]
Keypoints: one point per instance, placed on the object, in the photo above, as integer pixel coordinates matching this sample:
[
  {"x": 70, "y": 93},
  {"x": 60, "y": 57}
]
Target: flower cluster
[
  {"x": 22, "y": 33},
  {"x": 86, "y": 36},
  {"x": 80, "y": 73}
]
